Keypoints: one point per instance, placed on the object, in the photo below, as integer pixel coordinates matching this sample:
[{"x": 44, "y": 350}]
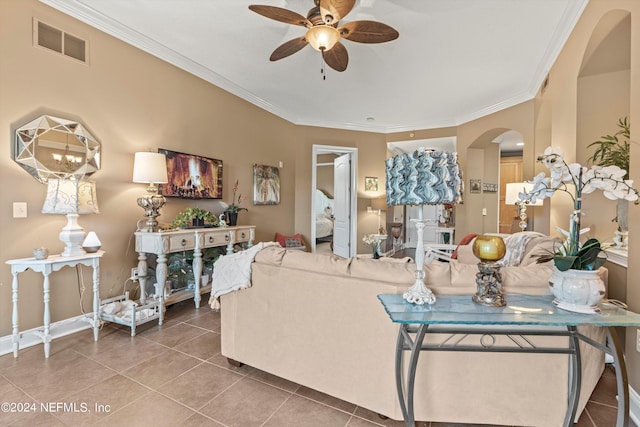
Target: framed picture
[
  {"x": 266, "y": 185},
  {"x": 489, "y": 188},
  {"x": 370, "y": 183},
  {"x": 475, "y": 185},
  {"x": 191, "y": 176}
]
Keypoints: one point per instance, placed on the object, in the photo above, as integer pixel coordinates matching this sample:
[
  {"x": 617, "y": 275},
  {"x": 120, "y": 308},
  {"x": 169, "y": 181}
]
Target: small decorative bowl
[
  {"x": 91, "y": 249},
  {"x": 41, "y": 253}
]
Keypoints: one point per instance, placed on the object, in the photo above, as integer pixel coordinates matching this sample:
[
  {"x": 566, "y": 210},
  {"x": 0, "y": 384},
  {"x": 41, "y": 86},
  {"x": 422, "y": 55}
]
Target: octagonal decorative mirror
[{"x": 51, "y": 147}]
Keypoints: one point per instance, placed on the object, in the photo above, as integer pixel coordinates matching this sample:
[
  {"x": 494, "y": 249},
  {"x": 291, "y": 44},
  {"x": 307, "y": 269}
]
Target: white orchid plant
[
  {"x": 577, "y": 180},
  {"x": 373, "y": 240}
]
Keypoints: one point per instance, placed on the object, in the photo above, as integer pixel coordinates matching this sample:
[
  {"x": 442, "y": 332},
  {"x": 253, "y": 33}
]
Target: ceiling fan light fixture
[{"x": 322, "y": 37}]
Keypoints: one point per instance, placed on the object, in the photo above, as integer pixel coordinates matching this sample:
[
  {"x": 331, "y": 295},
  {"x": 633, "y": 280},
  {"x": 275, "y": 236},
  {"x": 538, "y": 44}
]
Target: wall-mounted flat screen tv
[{"x": 191, "y": 176}]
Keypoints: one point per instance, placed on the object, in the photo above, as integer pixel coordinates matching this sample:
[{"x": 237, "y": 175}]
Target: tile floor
[{"x": 175, "y": 375}]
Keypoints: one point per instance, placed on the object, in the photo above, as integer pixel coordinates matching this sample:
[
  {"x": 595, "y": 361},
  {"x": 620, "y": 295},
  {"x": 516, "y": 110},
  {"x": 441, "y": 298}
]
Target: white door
[{"x": 342, "y": 205}]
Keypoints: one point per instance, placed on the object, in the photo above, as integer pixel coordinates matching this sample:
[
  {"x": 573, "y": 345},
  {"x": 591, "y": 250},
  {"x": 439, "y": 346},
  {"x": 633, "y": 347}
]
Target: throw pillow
[
  {"x": 292, "y": 242},
  {"x": 282, "y": 239}
]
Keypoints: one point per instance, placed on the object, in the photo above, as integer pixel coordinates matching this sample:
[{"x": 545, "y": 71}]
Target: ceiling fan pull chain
[{"x": 324, "y": 75}]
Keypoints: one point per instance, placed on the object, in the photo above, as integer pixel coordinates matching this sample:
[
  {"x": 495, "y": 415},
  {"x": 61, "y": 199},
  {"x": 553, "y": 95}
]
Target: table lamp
[
  {"x": 378, "y": 205},
  {"x": 150, "y": 168},
  {"x": 71, "y": 197},
  {"x": 424, "y": 177},
  {"x": 511, "y": 198}
]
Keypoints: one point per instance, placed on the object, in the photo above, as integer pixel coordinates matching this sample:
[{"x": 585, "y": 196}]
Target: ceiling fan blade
[
  {"x": 288, "y": 48},
  {"x": 282, "y": 15},
  {"x": 334, "y": 10},
  {"x": 336, "y": 58},
  {"x": 368, "y": 32}
]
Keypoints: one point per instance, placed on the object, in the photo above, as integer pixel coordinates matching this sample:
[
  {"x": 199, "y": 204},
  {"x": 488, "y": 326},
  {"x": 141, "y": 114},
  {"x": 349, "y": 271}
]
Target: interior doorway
[{"x": 334, "y": 199}]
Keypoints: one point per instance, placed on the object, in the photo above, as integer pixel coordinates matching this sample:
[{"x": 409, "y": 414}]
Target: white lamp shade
[
  {"x": 150, "y": 168},
  {"x": 70, "y": 196},
  {"x": 513, "y": 188}
]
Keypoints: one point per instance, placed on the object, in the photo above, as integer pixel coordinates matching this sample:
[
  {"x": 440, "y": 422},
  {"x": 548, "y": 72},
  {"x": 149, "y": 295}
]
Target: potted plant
[
  {"x": 572, "y": 257},
  {"x": 195, "y": 216},
  {"x": 374, "y": 241},
  {"x": 231, "y": 211},
  {"x": 613, "y": 150}
]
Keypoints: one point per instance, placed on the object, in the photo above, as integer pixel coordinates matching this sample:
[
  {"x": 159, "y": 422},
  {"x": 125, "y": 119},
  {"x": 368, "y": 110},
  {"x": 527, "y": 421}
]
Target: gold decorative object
[{"x": 490, "y": 250}]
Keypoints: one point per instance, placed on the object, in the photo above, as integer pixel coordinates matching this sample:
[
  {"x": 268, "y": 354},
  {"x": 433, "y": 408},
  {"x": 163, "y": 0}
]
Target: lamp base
[
  {"x": 152, "y": 202},
  {"x": 72, "y": 235},
  {"x": 489, "y": 282},
  {"x": 419, "y": 294}
]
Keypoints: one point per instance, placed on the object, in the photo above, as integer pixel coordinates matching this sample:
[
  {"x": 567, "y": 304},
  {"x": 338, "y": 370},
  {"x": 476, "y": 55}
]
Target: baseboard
[
  {"x": 634, "y": 406},
  {"x": 58, "y": 329}
]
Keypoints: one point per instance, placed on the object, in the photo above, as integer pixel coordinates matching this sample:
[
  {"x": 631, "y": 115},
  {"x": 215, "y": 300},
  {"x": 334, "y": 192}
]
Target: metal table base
[{"x": 415, "y": 345}]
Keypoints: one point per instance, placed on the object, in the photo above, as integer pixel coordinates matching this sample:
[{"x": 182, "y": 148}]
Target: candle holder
[{"x": 490, "y": 250}]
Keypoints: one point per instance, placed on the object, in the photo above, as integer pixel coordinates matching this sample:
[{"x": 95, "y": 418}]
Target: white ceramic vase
[{"x": 577, "y": 290}]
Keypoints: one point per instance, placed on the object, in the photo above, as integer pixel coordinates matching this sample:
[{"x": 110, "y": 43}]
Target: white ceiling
[{"x": 455, "y": 60}]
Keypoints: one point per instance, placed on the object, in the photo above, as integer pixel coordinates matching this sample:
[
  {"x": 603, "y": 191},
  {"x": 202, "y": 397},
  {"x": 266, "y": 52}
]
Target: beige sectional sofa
[{"x": 316, "y": 320}]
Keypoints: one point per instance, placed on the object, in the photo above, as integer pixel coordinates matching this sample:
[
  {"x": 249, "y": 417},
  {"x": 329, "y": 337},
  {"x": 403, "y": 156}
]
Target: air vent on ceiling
[{"x": 59, "y": 41}]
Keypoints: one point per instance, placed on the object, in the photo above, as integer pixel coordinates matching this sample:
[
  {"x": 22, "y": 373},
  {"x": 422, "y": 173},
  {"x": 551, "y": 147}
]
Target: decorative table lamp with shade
[
  {"x": 71, "y": 197},
  {"x": 150, "y": 168},
  {"x": 378, "y": 205},
  {"x": 511, "y": 198},
  {"x": 424, "y": 177}
]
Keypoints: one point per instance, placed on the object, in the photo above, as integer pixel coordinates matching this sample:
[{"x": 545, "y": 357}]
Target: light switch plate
[{"x": 19, "y": 209}]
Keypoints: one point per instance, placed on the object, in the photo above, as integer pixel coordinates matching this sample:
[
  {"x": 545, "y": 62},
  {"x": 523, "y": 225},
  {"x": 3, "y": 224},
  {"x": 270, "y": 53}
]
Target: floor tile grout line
[
  {"x": 606, "y": 405},
  {"x": 277, "y": 409}
]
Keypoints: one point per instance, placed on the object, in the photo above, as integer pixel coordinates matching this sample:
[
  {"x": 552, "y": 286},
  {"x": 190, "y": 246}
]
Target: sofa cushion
[
  {"x": 437, "y": 273},
  {"x": 464, "y": 241},
  {"x": 532, "y": 279},
  {"x": 327, "y": 264},
  {"x": 465, "y": 254},
  {"x": 270, "y": 255},
  {"x": 542, "y": 246},
  {"x": 385, "y": 269}
]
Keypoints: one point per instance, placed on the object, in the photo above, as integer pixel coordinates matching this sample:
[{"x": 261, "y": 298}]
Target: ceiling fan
[{"x": 323, "y": 32}]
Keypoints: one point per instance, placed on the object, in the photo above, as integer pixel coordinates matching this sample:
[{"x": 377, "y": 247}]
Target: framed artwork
[
  {"x": 370, "y": 183},
  {"x": 475, "y": 185},
  {"x": 490, "y": 188},
  {"x": 266, "y": 185},
  {"x": 191, "y": 176}
]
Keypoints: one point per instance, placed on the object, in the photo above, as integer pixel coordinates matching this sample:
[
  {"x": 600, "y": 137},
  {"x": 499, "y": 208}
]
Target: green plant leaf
[{"x": 564, "y": 263}]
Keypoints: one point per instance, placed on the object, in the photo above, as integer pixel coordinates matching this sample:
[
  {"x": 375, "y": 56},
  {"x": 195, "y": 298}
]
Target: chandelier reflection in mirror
[{"x": 51, "y": 147}]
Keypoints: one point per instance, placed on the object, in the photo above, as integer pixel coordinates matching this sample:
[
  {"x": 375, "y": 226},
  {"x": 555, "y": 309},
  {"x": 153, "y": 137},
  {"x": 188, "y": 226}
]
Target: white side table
[{"x": 46, "y": 267}]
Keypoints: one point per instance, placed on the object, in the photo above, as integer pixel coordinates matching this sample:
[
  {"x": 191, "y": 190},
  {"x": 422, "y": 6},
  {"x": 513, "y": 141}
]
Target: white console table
[
  {"x": 46, "y": 267},
  {"x": 162, "y": 243}
]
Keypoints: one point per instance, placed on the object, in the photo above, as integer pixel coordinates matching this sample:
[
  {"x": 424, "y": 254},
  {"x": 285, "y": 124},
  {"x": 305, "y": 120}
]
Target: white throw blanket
[
  {"x": 516, "y": 244},
  {"x": 233, "y": 272}
]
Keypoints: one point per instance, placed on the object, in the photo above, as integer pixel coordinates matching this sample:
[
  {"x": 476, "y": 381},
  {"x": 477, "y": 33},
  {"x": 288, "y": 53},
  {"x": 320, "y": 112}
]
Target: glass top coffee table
[{"x": 523, "y": 316}]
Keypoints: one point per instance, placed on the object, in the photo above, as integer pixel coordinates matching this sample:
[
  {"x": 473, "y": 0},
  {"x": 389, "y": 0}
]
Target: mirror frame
[{"x": 52, "y": 147}]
